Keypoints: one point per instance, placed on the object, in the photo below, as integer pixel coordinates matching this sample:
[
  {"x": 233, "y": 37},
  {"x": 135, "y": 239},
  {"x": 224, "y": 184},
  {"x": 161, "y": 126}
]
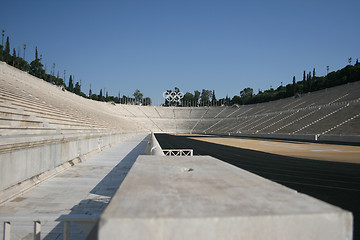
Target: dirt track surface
[
  {"x": 307, "y": 150},
  {"x": 335, "y": 182}
]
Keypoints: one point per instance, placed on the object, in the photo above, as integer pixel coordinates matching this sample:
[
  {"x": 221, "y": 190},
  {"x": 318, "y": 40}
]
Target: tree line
[
  {"x": 36, "y": 68},
  {"x": 309, "y": 83}
]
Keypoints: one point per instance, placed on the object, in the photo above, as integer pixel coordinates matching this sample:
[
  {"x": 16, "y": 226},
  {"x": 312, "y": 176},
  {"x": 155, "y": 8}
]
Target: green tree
[
  {"x": 94, "y": 97},
  {"x": 213, "y": 98},
  {"x": 123, "y": 100},
  {"x": 7, "y": 46},
  {"x": 7, "y": 56},
  {"x": 227, "y": 100},
  {"x": 36, "y": 67},
  {"x": 71, "y": 84},
  {"x": 294, "y": 86},
  {"x": 77, "y": 89},
  {"x": 304, "y": 83},
  {"x": 205, "y": 97},
  {"x": 246, "y": 95},
  {"x": 14, "y": 58},
  {"x": 138, "y": 96},
  {"x": 23, "y": 65},
  {"x": 247, "y": 92},
  {"x": 196, "y": 97},
  {"x": 147, "y": 101},
  {"x": 236, "y": 100},
  {"x": 59, "y": 81},
  {"x": 101, "y": 98},
  {"x": 188, "y": 99}
]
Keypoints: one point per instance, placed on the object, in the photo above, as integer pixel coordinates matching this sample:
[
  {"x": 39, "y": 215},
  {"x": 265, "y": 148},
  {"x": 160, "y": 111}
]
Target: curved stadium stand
[
  {"x": 34, "y": 112},
  {"x": 40, "y": 119}
]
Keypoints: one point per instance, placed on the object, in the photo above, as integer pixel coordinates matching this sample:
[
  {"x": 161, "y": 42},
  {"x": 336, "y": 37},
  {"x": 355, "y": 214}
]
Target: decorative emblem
[{"x": 171, "y": 96}]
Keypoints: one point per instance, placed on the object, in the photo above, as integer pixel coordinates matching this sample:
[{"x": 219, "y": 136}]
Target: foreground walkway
[{"x": 82, "y": 189}]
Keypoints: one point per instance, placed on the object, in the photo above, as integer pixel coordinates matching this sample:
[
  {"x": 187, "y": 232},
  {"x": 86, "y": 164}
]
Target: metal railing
[
  {"x": 89, "y": 220},
  {"x": 178, "y": 152}
]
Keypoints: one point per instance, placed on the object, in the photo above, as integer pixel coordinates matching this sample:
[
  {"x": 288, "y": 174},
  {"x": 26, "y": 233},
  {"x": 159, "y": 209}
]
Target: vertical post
[
  {"x": 24, "y": 50},
  {"x": 2, "y": 37},
  {"x": 37, "y": 230},
  {"x": 6, "y": 231},
  {"x": 66, "y": 230}
]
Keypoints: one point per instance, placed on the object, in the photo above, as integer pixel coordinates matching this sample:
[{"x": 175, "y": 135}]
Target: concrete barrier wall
[
  {"x": 24, "y": 164},
  {"x": 155, "y": 147},
  {"x": 204, "y": 198}
]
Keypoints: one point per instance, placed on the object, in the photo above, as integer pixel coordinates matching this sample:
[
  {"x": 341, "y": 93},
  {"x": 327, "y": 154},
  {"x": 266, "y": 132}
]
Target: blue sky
[{"x": 221, "y": 45}]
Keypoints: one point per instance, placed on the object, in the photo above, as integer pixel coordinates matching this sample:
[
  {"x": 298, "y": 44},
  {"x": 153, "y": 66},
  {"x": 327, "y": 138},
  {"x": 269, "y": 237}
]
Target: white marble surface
[
  {"x": 204, "y": 198},
  {"x": 85, "y": 188}
]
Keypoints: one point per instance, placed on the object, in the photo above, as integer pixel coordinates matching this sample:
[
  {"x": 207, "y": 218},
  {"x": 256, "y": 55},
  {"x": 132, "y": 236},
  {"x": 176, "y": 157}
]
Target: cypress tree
[
  {"x": 307, "y": 82},
  {"x": 14, "y": 57},
  {"x": 77, "y": 88},
  {"x": 304, "y": 82},
  {"x": 71, "y": 84},
  {"x": 7, "y": 46},
  {"x": 7, "y": 51},
  {"x": 294, "y": 85},
  {"x": 213, "y": 98}
]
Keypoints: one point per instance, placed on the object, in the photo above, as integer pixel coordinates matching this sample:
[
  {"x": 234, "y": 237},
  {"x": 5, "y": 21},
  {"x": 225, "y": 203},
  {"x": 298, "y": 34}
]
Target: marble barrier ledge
[
  {"x": 26, "y": 162},
  {"x": 204, "y": 198}
]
